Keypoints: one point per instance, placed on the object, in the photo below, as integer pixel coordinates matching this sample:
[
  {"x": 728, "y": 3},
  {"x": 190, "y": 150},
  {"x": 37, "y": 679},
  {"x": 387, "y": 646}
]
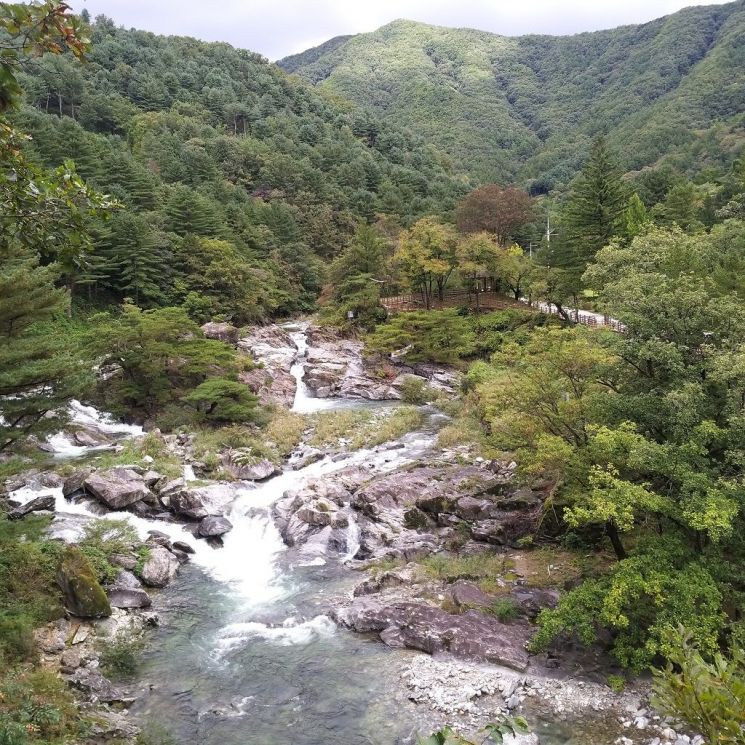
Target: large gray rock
[
  {"x": 117, "y": 487},
  {"x": 126, "y": 591},
  {"x": 239, "y": 465},
  {"x": 90, "y": 437},
  {"x": 220, "y": 331},
  {"x": 37, "y": 504},
  {"x": 213, "y": 526},
  {"x": 96, "y": 687},
  {"x": 430, "y": 629},
  {"x": 187, "y": 503},
  {"x": 160, "y": 567}
]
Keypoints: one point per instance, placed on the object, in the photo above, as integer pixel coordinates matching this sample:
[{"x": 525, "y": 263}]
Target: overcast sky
[{"x": 276, "y": 28}]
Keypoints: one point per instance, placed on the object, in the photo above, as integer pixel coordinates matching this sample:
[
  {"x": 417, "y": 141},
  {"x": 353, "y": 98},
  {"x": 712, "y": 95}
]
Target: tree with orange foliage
[{"x": 496, "y": 210}]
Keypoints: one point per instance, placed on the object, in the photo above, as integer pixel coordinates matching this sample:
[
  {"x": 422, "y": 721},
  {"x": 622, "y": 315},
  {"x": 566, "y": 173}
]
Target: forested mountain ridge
[
  {"x": 524, "y": 108},
  {"x": 236, "y": 181}
]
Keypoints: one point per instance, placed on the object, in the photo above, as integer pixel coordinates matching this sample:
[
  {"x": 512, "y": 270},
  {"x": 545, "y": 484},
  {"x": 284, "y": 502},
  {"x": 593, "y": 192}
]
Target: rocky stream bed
[{"x": 302, "y": 604}]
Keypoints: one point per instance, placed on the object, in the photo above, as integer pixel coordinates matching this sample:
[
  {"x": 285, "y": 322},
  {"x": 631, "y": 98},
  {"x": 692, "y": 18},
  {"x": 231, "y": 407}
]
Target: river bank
[{"x": 270, "y": 625}]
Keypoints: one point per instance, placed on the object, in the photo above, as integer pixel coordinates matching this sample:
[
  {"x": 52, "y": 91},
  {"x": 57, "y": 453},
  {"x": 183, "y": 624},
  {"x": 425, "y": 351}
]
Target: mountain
[{"x": 523, "y": 108}]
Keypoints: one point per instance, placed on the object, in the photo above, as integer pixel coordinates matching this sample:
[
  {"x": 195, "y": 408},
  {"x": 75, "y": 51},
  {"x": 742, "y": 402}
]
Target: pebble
[{"x": 641, "y": 722}]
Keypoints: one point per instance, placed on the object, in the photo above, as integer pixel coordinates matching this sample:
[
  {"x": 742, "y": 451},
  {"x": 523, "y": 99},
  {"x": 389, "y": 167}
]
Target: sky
[{"x": 281, "y": 27}]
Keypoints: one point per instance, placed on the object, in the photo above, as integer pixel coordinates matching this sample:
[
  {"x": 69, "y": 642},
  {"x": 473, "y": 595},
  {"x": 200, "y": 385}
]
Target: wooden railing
[{"x": 490, "y": 300}]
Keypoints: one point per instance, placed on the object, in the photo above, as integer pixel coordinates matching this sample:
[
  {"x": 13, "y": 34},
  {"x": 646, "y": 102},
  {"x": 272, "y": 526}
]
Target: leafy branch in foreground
[
  {"x": 491, "y": 733},
  {"x": 708, "y": 696}
]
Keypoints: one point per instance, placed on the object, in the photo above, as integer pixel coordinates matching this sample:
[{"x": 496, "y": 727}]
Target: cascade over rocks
[{"x": 336, "y": 368}]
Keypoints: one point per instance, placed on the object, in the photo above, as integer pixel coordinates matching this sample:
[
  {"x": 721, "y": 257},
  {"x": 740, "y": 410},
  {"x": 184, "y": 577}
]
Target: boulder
[
  {"x": 83, "y": 595},
  {"x": 489, "y": 531},
  {"x": 168, "y": 488},
  {"x": 74, "y": 485},
  {"x": 126, "y": 591},
  {"x": 248, "y": 471},
  {"x": 37, "y": 504},
  {"x": 159, "y": 568},
  {"x": 118, "y": 487},
  {"x": 90, "y": 437},
  {"x": 96, "y": 687},
  {"x": 213, "y": 525},
  {"x": 184, "y": 547},
  {"x": 430, "y": 629},
  {"x": 467, "y": 595},
  {"x": 221, "y": 331},
  {"x": 187, "y": 504}
]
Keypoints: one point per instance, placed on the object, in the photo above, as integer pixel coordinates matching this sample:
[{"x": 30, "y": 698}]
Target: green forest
[{"x": 151, "y": 184}]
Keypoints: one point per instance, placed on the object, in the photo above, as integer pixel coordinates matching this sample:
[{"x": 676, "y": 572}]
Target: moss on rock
[{"x": 83, "y": 595}]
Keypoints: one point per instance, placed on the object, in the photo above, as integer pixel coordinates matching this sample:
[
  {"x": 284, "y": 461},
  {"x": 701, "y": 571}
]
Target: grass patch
[
  {"x": 103, "y": 539},
  {"x": 548, "y": 567},
  {"x": 135, "y": 449},
  {"x": 364, "y": 428},
  {"x": 285, "y": 430},
  {"x": 485, "y": 570},
  {"x": 331, "y": 426},
  {"x": 462, "y": 431}
]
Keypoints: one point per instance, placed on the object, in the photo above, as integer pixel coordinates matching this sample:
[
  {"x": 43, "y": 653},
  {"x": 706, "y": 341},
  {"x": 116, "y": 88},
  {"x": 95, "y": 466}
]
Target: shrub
[
  {"x": 504, "y": 609},
  {"x": 415, "y": 391},
  {"x": 120, "y": 656},
  {"x": 224, "y": 401},
  {"x": 37, "y": 708}
]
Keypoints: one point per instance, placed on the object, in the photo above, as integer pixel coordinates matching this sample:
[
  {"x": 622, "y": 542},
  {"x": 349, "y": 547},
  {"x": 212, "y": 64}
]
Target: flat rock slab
[
  {"x": 430, "y": 629},
  {"x": 37, "y": 504}
]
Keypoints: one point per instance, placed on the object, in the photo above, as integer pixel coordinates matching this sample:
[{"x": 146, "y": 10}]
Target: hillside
[
  {"x": 204, "y": 141},
  {"x": 524, "y": 107}
]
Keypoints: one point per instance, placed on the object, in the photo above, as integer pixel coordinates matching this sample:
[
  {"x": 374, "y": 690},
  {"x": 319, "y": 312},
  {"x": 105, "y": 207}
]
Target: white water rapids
[{"x": 247, "y": 563}]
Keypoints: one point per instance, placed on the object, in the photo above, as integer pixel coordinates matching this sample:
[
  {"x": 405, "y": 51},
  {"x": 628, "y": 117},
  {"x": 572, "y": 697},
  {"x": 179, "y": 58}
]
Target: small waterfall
[
  {"x": 304, "y": 401},
  {"x": 353, "y": 539}
]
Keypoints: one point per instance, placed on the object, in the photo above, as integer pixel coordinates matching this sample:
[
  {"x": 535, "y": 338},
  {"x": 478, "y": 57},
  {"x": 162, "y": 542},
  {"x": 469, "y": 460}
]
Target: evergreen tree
[
  {"x": 39, "y": 372},
  {"x": 133, "y": 260},
  {"x": 596, "y": 208}
]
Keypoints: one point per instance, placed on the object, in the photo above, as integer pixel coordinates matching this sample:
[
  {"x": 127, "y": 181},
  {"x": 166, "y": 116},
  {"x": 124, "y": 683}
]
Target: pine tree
[
  {"x": 596, "y": 208},
  {"x": 132, "y": 259},
  {"x": 39, "y": 371}
]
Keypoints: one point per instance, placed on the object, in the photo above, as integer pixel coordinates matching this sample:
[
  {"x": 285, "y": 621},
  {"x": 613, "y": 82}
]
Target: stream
[{"x": 244, "y": 654}]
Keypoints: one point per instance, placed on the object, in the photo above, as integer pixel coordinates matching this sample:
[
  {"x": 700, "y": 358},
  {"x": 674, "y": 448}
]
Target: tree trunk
[{"x": 615, "y": 540}]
